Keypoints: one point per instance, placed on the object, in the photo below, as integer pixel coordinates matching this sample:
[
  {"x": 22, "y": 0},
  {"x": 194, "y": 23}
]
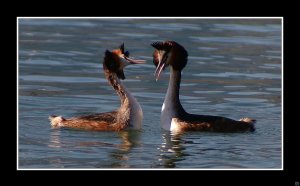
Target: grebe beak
[
  {"x": 134, "y": 61},
  {"x": 128, "y": 61},
  {"x": 160, "y": 67}
]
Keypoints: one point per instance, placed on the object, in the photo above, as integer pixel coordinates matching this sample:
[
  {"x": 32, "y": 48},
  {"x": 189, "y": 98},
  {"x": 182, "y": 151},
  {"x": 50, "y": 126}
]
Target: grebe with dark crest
[
  {"x": 128, "y": 116},
  {"x": 173, "y": 115}
]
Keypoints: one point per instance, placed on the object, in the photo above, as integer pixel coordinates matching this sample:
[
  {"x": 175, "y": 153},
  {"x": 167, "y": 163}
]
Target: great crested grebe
[
  {"x": 173, "y": 115},
  {"x": 129, "y": 115}
]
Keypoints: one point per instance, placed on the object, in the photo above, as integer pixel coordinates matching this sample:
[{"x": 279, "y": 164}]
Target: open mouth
[{"x": 160, "y": 67}]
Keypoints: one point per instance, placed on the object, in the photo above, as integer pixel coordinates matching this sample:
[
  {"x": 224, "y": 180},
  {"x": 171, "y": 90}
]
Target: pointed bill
[
  {"x": 134, "y": 61},
  {"x": 159, "y": 69}
]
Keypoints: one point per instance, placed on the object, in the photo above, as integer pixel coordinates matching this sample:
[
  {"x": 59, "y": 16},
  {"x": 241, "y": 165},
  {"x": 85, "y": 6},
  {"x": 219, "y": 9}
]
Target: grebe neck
[
  {"x": 130, "y": 112},
  {"x": 172, "y": 107}
]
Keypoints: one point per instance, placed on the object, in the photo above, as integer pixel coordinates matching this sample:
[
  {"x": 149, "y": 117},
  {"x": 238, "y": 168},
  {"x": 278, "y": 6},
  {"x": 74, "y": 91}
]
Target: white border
[
  {"x": 282, "y": 96},
  {"x": 172, "y": 169},
  {"x": 18, "y": 93},
  {"x": 151, "y": 17}
]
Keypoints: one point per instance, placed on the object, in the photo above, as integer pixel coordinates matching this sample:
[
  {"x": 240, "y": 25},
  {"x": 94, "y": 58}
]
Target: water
[{"x": 234, "y": 70}]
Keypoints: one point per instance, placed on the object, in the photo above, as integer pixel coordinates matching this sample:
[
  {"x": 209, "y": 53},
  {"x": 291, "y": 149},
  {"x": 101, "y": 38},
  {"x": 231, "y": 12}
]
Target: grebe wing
[
  {"x": 218, "y": 123},
  {"x": 106, "y": 117}
]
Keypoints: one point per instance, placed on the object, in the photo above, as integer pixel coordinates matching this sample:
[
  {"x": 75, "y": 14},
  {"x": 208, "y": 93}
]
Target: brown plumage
[
  {"x": 173, "y": 116},
  {"x": 129, "y": 114},
  {"x": 212, "y": 124}
]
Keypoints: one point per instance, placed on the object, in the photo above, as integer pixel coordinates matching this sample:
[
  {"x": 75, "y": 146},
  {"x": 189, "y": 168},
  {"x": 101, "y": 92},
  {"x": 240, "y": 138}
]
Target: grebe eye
[{"x": 126, "y": 54}]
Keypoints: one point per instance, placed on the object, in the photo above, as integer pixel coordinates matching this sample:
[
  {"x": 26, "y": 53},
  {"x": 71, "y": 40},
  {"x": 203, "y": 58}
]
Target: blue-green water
[{"x": 234, "y": 70}]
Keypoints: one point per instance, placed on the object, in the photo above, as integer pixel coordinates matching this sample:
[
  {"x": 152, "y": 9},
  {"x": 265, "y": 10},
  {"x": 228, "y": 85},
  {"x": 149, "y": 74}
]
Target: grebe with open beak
[
  {"x": 173, "y": 115},
  {"x": 129, "y": 115}
]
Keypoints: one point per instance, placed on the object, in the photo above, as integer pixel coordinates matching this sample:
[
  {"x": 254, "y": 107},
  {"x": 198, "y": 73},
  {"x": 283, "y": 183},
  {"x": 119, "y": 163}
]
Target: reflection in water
[
  {"x": 129, "y": 139},
  {"x": 171, "y": 150},
  {"x": 55, "y": 139},
  {"x": 55, "y": 142},
  {"x": 120, "y": 156}
]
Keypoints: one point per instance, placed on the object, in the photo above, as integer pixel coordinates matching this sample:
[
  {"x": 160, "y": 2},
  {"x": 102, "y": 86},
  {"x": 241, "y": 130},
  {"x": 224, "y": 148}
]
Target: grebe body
[
  {"x": 128, "y": 116},
  {"x": 173, "y": 115}
]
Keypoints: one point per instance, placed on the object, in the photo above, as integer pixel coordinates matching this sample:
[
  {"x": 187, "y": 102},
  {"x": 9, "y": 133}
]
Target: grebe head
[
  {"x": 115, "y": 61},
  {"x": 168, "y": 53}
]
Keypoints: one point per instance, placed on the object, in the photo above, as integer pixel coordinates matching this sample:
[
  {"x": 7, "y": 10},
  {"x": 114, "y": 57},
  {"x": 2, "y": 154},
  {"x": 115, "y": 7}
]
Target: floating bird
[
  {"x": 173, "y": 115},
  {"x": 128, "y": 116}
]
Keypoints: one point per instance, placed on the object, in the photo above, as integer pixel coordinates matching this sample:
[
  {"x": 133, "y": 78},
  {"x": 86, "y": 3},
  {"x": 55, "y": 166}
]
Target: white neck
[
  {"x": 136, "y": 113},
  {"x": 171, "y": 107}
]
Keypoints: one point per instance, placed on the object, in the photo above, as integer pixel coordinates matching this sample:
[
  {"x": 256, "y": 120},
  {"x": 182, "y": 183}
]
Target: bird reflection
[
  {"x": 129, "y": 139},
  {"x": 171, "y": 150},
  {"x": 121, "y": 155},
  {"x": 118, "y": 154},
  {"x": 54, "y": 141}
]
